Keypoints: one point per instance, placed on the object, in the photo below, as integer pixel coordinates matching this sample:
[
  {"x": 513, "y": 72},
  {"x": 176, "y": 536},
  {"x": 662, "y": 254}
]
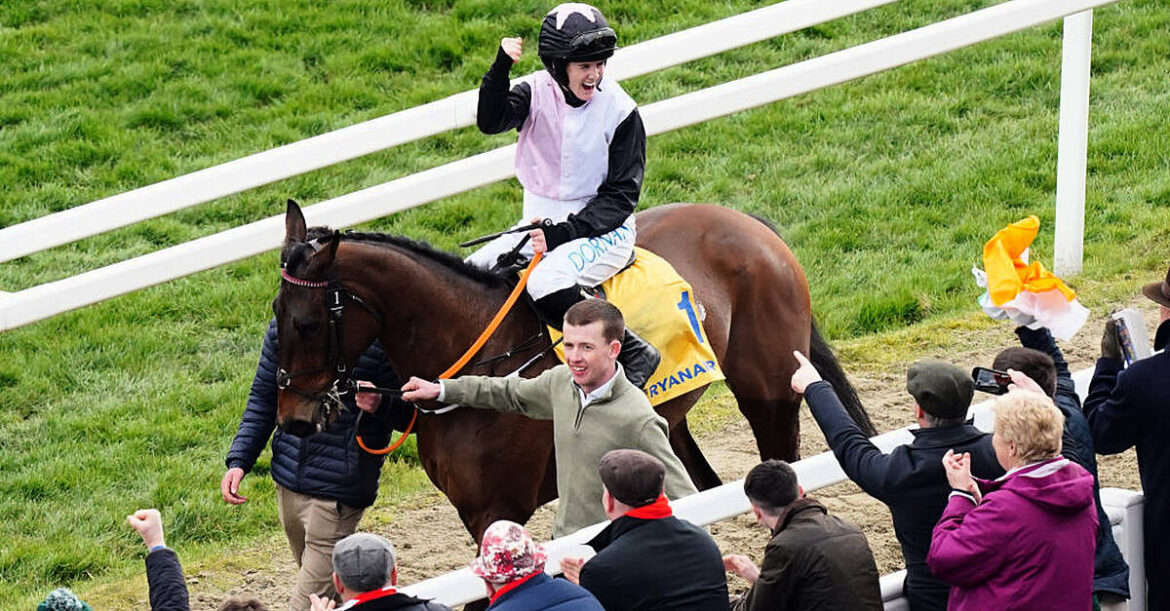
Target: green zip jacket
[{"x": 620, "y": 419}]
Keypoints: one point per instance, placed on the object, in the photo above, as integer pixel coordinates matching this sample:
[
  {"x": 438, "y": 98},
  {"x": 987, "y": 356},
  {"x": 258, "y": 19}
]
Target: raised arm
[{"x": 501, "y": 109}]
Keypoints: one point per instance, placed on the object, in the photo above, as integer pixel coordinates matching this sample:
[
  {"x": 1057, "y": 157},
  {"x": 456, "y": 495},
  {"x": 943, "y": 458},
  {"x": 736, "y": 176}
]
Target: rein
[{"x": 463, "y": 360}]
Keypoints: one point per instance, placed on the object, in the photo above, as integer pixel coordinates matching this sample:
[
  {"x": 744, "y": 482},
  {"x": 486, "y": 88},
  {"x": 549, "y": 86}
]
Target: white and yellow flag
[{"x": 1025, "y": 292}]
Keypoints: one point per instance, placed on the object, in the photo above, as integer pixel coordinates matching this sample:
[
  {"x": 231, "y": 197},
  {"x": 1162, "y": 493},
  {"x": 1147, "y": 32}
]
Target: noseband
[{"x": 336, "y": 298}]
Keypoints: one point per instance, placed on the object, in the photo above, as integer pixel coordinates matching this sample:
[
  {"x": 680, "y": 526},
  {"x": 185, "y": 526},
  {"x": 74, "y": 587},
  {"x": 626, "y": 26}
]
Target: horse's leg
[
  {"x": 757, "y": 304},
  {"x": 487, "y": 478},
  {"x": 692, "y": 457},
  {"x": 683, "y": 444}
]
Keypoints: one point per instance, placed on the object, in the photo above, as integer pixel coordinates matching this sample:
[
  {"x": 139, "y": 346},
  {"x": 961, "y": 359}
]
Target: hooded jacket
[
  {"x": 329, "y": 464},
  {"x": 1028, "y": 545}
]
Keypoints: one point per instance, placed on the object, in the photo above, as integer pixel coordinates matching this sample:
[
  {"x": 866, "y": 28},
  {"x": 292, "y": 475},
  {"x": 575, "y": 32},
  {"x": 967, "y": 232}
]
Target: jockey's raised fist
[{"x": 513, "y": 47}]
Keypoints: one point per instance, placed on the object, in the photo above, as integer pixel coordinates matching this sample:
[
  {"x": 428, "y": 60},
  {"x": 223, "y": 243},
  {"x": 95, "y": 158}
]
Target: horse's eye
[{"x": 307, "y": 327}]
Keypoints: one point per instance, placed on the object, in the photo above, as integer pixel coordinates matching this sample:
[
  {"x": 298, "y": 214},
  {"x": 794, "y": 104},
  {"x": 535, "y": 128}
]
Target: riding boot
[
  {"x": 638, "y": 358},
  {"x": 552, "y": 307}
]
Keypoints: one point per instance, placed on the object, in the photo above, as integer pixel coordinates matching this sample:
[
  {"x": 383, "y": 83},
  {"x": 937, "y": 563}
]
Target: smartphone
[{"x": 991, "y": 380}]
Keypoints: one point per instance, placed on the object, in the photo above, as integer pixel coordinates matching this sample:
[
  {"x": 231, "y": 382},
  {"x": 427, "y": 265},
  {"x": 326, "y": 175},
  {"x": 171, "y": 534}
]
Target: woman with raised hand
[{"x": 1025, "y": 540}]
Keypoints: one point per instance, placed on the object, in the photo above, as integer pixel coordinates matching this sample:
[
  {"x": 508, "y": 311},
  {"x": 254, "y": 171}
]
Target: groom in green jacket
[{"x": 594, "y": 409}]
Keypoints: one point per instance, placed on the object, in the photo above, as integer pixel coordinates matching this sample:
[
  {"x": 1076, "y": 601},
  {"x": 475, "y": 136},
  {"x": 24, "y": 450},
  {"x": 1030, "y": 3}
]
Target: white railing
[
  {"x": 53, "y": 298},
  {"x": 820, "y": 471},
  {"x": 450, "y": 113}
]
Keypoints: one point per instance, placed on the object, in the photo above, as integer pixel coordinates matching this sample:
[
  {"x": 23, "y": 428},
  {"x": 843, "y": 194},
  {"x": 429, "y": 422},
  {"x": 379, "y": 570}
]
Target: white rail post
[{"x": 1073, "y": 143}]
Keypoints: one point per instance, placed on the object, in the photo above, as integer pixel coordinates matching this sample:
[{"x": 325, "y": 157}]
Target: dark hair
[
  {"x": 592, "y": 310},
  {"x": 771, "y": 486},
  {"x": 242, "y": 604},
  {"x": 1032, "y": 363},
  {"x": 942, "y": 423}
]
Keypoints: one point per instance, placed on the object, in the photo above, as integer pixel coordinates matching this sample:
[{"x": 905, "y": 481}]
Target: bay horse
[{"x": 427, "y": 306}]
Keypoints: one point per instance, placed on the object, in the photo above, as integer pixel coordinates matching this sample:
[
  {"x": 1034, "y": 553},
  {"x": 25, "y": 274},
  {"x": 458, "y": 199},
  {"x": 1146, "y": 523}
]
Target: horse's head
[{"x": 320, "y": 332}]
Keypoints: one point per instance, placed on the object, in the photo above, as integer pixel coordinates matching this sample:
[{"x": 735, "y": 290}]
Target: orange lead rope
[{"x": 471, "y": 352}]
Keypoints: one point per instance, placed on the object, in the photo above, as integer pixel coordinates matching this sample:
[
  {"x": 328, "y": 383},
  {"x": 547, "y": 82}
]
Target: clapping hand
[{"x": 958, "y": 469}]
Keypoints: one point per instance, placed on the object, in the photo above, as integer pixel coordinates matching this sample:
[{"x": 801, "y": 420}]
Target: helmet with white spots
[{"x": 574, "y": 32}]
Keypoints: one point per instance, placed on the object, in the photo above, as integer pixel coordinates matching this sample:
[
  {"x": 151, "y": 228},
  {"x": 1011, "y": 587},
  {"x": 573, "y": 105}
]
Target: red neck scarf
[
  {"x": 654, "y": 511},
  {"x": 504, "y": 589},
  {"x": 375, "y": 594}
]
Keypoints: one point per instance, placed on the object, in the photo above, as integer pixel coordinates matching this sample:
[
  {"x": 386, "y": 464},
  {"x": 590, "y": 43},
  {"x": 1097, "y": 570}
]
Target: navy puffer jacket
[{"x": 326, "y": 465}]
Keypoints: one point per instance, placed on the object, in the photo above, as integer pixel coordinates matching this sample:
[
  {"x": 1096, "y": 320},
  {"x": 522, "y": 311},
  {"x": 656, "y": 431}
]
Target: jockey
[{"x": 580, "y": 158}]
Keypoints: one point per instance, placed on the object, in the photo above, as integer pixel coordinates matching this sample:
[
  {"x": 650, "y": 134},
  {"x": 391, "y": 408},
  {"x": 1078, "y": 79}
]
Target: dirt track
[{"x": 431, "y": 540}]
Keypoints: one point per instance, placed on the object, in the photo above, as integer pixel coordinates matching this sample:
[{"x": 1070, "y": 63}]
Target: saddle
[{"x": 660, "y": 306}]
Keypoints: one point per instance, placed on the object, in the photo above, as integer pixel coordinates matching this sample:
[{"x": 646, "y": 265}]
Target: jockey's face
[
  {"x": 584, "y": 76},
  {"x": 591, "y": 359}
]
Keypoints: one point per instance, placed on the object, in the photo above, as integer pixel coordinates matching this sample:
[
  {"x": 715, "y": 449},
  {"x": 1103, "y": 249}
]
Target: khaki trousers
[{"x": 313, "y": 526}]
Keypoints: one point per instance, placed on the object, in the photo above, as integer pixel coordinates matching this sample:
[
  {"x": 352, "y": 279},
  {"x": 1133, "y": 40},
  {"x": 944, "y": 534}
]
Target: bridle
[{"x": 337, "y": 296}]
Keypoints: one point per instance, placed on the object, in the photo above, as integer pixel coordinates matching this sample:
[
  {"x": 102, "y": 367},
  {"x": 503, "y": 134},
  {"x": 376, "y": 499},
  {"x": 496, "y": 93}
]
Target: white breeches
[{"x": 584, "y": 261}]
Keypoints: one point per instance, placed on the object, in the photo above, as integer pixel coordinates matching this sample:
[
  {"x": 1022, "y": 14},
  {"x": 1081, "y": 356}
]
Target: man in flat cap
[
  {"x": 365, "y": 576},
  {"x": 1131, "y": 407},
  {"x": 910, "y": 480},
  {"x": 646, "y": 558}
]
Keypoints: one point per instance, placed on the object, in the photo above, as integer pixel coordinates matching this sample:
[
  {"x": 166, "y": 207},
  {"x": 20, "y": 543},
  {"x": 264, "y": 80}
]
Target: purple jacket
[{"x": 1028, "y": 545}]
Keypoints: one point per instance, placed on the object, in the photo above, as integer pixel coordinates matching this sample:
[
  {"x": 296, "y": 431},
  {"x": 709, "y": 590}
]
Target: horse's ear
[
  {"x": 325, "y": 249},
  {"x": 294, "y": 223},
  {"x": 333, "y": 242}
]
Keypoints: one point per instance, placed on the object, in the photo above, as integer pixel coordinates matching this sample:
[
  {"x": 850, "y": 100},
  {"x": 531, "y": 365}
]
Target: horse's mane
[{"x": 419, "y": 248}]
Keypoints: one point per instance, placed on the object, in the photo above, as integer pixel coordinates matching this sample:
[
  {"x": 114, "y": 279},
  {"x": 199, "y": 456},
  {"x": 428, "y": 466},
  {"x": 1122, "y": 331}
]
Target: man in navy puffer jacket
[{"x": 324, "y": 482}]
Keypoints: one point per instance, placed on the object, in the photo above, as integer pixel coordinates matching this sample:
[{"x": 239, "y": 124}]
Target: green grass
[{"x": 886, "y": 189}]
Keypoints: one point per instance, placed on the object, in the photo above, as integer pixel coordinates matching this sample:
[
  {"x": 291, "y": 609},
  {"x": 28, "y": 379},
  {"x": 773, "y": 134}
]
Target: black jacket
[
  {"x": 164, "y": 575},
  {"x": 815, "y": 562},
  {"x": 1110, "y": 572},
  {"x": 910, "y": 480},
  {"x": 664, "y": 564},
  {"x": 326, "y": 465},
  {"x": 1131, "y": 407}
]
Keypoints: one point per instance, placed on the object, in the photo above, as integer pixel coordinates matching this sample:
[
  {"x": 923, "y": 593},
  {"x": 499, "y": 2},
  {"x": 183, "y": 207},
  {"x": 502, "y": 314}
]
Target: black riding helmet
[{"x": 574, "y": 32}]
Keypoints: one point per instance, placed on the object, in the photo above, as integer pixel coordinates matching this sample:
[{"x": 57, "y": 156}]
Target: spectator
[
  {"x": 62, "y": 599},
  {"x": 365, "y": 576},
  {"x": 164, "y": 575},
  {"x": 242, "y": 604},
  {"x": 910, "y": 480},
  {"x": 594, "y": 409},
  {"x": 512, "y": 568},
  {"x": 1132, "y": 408},
  {"x": 323, "y": 482},
  {"x": 1025, "y": 540},
  {"x": 814, "y": 560},
  {"x": 647, "y": 558},
  {"x": 1040, "y": 366}
]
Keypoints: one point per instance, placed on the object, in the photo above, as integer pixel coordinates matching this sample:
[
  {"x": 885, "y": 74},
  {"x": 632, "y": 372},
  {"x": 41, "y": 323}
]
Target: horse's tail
[{"x": 822, "y": 358}]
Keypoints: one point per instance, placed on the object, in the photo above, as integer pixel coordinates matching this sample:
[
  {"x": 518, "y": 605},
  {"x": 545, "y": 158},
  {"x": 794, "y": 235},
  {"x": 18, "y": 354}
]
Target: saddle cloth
[{"x": 661, "y": 307}]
